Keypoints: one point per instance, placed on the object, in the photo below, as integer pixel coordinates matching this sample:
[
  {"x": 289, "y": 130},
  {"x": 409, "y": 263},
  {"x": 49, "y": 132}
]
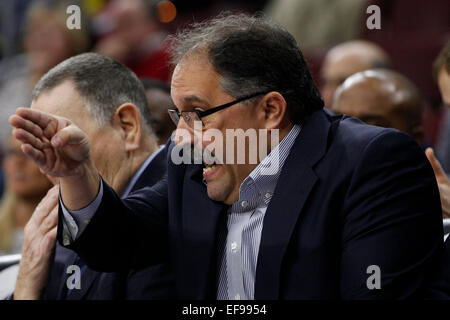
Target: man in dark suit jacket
[
  {"x": 119, "y": 125},
  {"x": 349, "y": 211}
]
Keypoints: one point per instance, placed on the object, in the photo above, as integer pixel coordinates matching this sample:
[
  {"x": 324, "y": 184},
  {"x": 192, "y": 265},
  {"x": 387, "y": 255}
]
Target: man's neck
[{"x": 282, "y": 133}]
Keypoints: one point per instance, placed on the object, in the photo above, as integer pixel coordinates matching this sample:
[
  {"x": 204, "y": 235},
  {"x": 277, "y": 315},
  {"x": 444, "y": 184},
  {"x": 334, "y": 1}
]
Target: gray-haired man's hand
[{"x": 38, "y": 248}]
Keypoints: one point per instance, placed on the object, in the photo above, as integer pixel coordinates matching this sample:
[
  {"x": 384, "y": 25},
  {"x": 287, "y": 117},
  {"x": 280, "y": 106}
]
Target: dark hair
[
  {"x": 103, "y": 83},
  {"x": 252, "y": 54},
  {"x": 150, "y": 83},
  {"x": 442, "y": 61}
]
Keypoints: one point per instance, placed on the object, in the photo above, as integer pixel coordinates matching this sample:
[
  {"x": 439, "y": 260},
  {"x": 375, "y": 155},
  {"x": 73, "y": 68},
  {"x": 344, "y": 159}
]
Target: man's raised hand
[
  {"x": 56, "y": 145},
  {"x": 60, "y": 149}
]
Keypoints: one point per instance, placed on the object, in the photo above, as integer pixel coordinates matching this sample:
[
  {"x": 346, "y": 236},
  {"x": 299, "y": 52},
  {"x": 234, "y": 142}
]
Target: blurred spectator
[
  {"x": 47, "y": 41},
  {"x": 413, "y": 32},
  {"x": 441, "y": 71},
  {"x": 25, "y": 187},
  {"x": 132, "y": 35},
  {"x": 12, "y": 14},
  {"x": 346, "y": 59},
  {"x": 159, "y": 101},
  {"x": 382, "y": 98},
  {"x": 2, "y": 181},
  {"x": 319, "y": 23}
]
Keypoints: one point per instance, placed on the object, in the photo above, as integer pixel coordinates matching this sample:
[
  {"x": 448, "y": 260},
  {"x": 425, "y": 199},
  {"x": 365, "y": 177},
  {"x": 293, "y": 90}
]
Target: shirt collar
[
  {"x": 257, "y": 189},
  {"x": 138, "y": 173}
]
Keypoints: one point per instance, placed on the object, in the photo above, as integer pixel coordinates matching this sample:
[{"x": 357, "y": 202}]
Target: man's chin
[{"x": 214, "y": 193}]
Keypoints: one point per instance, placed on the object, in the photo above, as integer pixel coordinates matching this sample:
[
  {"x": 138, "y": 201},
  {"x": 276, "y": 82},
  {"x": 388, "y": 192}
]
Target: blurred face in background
[
  {"x": 334, "y": 73},
  {"x": 159, "y": 102},
  {"x": 131, "y": 20},
  {"x": 346, "y": 59},
  {"x": 46, "y": 39},
  {"x": 23, "y": 177},
  {"x": 444, "y": 86}
]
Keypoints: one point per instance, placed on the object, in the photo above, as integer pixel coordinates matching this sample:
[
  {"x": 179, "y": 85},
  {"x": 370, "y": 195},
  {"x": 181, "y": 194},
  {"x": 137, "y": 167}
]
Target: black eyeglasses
[{"x": 195, "y": 115}]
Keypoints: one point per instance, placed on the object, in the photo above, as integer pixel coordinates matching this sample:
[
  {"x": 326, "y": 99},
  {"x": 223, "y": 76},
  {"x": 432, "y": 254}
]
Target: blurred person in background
[
  {"x": 346, "y": 59},
  {"x": 25, "y": 187},
  {"x": 131, "y": 33},
  {"x": 159, "y": 102},
  {"x": 318, "y": 24},
  {"x": 382, "y": 98},
  {"x": 46, "y": 41},
  {"x": 441, "y": 72},
  {"x": 439, "y": 287}
]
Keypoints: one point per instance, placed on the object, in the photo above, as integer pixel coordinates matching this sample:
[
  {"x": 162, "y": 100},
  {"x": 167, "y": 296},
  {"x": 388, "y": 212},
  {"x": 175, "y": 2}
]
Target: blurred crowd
[{"x": 388, "y": 77}]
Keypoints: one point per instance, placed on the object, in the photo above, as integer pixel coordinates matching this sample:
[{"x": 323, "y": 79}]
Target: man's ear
[
  {"x": 273, "y": 110},
  {"x": 128, "y": 120}
]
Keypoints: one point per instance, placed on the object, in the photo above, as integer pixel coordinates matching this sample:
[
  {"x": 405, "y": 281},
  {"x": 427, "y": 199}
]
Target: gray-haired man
[{"x": 107, "y": 101}]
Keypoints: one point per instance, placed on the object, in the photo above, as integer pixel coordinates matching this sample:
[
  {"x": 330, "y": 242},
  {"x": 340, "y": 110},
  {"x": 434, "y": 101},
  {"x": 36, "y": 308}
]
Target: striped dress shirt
[{"x": 245, "y": 218}]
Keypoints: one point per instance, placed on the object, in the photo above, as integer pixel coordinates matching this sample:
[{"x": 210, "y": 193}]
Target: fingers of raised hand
[
  {"x": 68, "y": 135},
  {"x": 439, "y": 172},
  {"x": 38, "y": 123},
  {"x": 39, "y": 118},
  {"x": 26, "y": 137},
  {"x": 73, "y": 141},
  {"x": 26, "y": 125},
  {"x": 49, "y": 242},
  {"x": 34, "y": 154},
  {"x": 50, "y": 221}
]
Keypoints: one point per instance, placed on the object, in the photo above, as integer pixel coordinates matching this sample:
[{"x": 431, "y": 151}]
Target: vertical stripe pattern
[{"x": 237, "y": 267}]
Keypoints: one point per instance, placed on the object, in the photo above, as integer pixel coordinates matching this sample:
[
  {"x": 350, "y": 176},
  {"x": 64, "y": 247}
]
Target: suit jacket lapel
[
  {"x": 294, "y": 185},
  {"x": 154, "y": 171},
  {"x": 200, "y": 229}
]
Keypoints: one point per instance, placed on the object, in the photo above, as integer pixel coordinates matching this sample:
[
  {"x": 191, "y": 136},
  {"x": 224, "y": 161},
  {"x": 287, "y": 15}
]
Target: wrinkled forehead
[{"x": 194, "y": 77}]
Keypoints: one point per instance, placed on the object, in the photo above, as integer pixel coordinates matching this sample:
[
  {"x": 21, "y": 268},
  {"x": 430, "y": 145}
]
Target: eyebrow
[{"x": 190, "y": 99}]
